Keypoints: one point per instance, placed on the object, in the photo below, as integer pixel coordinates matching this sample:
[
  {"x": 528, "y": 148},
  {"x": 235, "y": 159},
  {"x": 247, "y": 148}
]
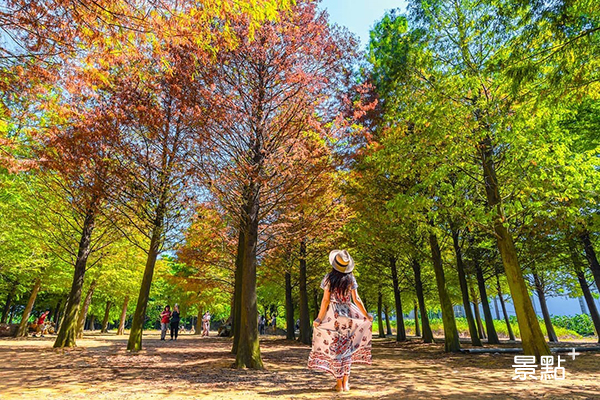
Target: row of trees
[
  {"x": 139, "y": 115},
  {"x": 244, "y": 140},
  {"x": 474, "y": 144}
]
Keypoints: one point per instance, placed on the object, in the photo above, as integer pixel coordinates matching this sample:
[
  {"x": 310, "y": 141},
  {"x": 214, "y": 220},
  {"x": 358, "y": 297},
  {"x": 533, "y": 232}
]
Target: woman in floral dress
[
  {"x": 205, "y": 324},
  {"x": 342, "y": 331}
]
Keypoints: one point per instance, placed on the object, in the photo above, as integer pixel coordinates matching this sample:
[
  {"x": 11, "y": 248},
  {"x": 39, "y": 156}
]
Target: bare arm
[
  {"x": 323, "y": 311},
  {"x": 360, "y": 305}
]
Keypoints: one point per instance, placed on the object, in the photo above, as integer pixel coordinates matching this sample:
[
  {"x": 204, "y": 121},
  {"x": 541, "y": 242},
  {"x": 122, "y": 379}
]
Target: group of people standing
[
  {"x": 262, "y": 323},
  {"x": 169, "y": 319}
]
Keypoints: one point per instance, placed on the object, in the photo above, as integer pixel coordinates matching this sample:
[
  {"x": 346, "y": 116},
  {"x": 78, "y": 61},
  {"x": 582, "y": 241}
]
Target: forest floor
[{"x": 199, "y": 368}]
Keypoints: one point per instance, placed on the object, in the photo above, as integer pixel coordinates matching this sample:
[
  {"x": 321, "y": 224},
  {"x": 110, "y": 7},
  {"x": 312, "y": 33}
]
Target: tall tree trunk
[
  {"x": 22, "y": 331},
  {"x": 290, "y": 323},
  {"x": 134, "y": 342},
  {"x": 496, "y": 308},
  {"x": 92, "y": 323},
  {"x": 452, "y": 343},
  {"x": 427, "y": 333},
  {"x": 487, "y": 312},
  {"x": 62, "y": 315},
  {"x": 589, "y": 299},
  {"x": 248, "y": 351},
  {"x": 590, "y": 254},
  {"x": 400, "y": 328},
  {"x": 106, "y": 316},
  {"x": 511, "y": 334},
  {"x": 237, "y": 292},
  {"x": 121, "y": 329},
  {"x": 305, "y": 335},
  {"x": 379, "y": 314},
  {"x": 464, "y": 288},
  {"x": 198, "y": 329},
  {"x": 529, "y": 327},
  {"x": 585, "y": 288},
  {"x": 83, "y": 313},
  {"x": 8, "y": 304},
  {"x": 417, "y": 327},
  {"x": 388, "y": 326},
  {"x": 57, "y": 312},
  {"x": 539, "y": 289},
  {"x": 477, "y": 313},
  {"x": 68, "y": 327},
  {"x": 478, "y": 320},
  {"x": 13, "y": 310}
]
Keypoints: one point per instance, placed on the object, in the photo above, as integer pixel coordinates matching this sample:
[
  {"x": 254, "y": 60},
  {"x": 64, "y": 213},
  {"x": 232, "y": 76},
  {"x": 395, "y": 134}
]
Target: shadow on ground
[{"x": 199, "y": 368}]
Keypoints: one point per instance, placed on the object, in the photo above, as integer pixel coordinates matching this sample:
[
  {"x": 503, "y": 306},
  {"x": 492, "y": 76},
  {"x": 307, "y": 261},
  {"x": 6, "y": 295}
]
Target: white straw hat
[{"x": 341, "y": 261}]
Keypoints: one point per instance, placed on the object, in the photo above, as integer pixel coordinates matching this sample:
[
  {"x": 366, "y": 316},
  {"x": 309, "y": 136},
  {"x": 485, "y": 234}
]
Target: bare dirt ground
[{"x": 198, "y": 368}]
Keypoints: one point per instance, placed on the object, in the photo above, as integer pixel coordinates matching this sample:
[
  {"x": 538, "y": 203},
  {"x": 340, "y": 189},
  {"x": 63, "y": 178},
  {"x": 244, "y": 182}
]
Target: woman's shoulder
[{"x": 325, "y": 281}]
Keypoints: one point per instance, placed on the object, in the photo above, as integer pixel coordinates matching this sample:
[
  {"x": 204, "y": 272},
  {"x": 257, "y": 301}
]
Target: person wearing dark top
[{"x": 175, "y": 322}]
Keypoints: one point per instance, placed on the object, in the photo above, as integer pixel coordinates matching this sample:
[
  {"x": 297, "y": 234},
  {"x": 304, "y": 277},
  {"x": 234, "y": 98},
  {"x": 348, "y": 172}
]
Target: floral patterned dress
[{"x": 343, "y": 338}]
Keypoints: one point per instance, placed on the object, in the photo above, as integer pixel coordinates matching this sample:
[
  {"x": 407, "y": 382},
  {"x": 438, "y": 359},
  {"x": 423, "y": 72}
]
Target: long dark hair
[{"x": 339, "y": 282}]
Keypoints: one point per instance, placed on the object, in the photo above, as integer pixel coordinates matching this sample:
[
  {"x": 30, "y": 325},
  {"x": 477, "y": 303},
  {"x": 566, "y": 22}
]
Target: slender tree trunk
[
  {"x": 62, "y": 314},
  {"x": 237, "y": 293},
  {"x": 379, "y": 314},
  {"x": 92, "y": 326},
  {"x": 487, "y": 312},
  {"x": 23, "y": 326},
  {"x": 427, "y": 333},
  {"x": 388, "y": 326},
  {"x": 547, "y": 320},
  {"x": 400, "y": 328},
  {"x": 497, "y": 309},
  {"x": 464, "y": 289},
  {"x": 248, "y": 351},
  {"x": 585, "y": 289},
  {"x": 590, "y": 254},
  {"x": 417, "y": 327},
  {"x": 529, "y": 327},
  {"x": 83, "y": 313},
  {"x": 134, "y": 342},
  {"x": 68, "y": 327},
  {"x": 478, "y": 320},
  {"x": 106, "y": 316},
  {"x": 198, "y": 330},
  {"x": 8, "y": 304},
  {"x": 452, "y": 343},
  {"x": 121, "y": 330},
  {"x": 589, "y": 299},
  {"x": 57, "y": 312},
  {"x": 13, "y": 309},
  {"x": 305, "y": 335},
  {"x": 504, "y": 312},
  {"x": 289, "y": 308}
]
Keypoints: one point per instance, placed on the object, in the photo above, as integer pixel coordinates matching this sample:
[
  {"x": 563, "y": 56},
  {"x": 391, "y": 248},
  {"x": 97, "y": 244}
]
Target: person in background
[
  {"x": 175, "y": 322},
  {"x": 205, "y": 324},
  {"x": 41, "y": 324},
  {"x": 261, "y": 324},
  {"x": 274, "y": 322},
  {"x": 165, "y": 317}
]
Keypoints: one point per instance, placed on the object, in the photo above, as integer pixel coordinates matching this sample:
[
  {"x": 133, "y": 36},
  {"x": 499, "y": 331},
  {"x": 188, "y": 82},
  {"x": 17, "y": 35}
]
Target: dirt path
[{"x": 198, "y": 368}]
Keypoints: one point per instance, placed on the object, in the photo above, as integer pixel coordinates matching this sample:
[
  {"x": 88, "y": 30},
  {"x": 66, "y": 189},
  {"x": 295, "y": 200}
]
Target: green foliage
[
  {"x": 566, "y": 327},
  {"x": 580, "y": 323}
]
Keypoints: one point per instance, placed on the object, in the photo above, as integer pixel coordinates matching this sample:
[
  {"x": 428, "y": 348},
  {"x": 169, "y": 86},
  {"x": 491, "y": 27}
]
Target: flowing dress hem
[{"x": 325, "y": 369}]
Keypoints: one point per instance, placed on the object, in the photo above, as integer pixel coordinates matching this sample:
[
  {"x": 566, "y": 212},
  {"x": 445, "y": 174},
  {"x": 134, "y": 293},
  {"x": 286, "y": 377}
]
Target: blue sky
[{"x": 359, "y": 16}]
